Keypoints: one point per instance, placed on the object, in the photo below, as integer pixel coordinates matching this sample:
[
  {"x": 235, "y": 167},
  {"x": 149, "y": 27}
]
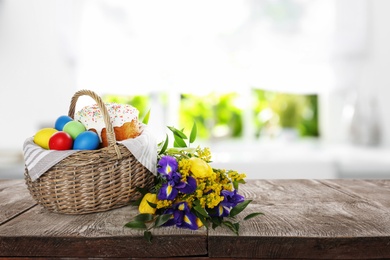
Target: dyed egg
[
  {"x": 43, "y": 136},
  {"x": 61, "y": 122},
  {"x": 60, "y": 141},
  {"x": 87, "y": 140},
  {"x": 74, "y": 128}
]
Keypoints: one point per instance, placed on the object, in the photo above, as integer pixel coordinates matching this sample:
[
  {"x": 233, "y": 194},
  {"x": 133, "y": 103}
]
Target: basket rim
[{"x": 106, "y": 116}]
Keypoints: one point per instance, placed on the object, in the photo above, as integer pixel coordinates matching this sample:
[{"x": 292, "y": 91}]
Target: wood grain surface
[
  {"x": 304, "y": 219},
  {"x": 40, "y": 233},
  {"x": 14, "y": 199},
  {"x": 329, "y": 219}
]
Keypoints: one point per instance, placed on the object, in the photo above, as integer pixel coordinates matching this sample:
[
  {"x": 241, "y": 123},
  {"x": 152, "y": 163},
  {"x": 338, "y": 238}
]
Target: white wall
[
  {"x": 361, "y": 77},
  {"x": 376, "y": 74},
  {"x": 36, "y": 78}
]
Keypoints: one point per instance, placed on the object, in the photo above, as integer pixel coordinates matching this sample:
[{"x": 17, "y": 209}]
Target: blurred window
[
  {"x": 240, "y": 68},
  {"x": 221, "y": 116},
  {"x": 275, "y": 112}
]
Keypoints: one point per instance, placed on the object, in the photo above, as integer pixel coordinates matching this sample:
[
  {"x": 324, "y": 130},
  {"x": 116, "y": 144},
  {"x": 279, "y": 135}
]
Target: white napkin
[
  {"x": 144, "y": 149},
  {"x": 39, "y": 160}
]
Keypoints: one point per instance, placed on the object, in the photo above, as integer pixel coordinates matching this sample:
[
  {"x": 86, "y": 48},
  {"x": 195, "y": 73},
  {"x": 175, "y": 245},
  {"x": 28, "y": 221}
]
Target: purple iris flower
[
  {"x": 181, "y": 216},
  {"x": 167, "y": 165},
  {"x": 168, "y": 168},
  {"x": 220, "y": 211},
  {"x": 187, "y": 187},
  {"x": 231, "y": 198},
  {"x": 167, "y": 191}
]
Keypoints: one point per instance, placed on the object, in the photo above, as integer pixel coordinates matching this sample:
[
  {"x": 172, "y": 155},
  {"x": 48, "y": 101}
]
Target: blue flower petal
[
  {"x": 226, "y": 211},
  {"x": 182, "y": 216},
  {"x": 182, "y": 206},
  {"x": 178, "y": 217},
  {"x": 220, "y": 211},
  {"x": 187, "y": 187},
  {"x": 189, "y": 221},
  {"x": 180, "y": 185},
  {"x": 231, "y": 198},
  {"x": 167, "y": 192},
  {"x": 167, "y": 165},
  {"x": 174, "y": 177}
]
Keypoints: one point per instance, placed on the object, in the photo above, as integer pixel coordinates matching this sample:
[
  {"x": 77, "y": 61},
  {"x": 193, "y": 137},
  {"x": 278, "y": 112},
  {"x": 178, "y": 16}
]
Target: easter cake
[{"x": 124, "y": 119}]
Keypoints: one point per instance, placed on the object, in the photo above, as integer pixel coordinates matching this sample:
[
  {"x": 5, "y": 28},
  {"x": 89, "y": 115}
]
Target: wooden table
[{"x": 342, "y": 219}]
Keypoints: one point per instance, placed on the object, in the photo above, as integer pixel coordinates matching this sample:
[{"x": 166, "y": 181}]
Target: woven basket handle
[{"x": 110, "y": 130}]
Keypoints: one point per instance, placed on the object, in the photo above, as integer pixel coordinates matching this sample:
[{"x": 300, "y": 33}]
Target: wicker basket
[{"x": 91, "y": 181}]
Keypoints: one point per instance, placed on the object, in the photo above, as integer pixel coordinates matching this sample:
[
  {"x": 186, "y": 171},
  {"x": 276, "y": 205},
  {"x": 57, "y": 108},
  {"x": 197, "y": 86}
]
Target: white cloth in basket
[{"x": 39, "y": 160}]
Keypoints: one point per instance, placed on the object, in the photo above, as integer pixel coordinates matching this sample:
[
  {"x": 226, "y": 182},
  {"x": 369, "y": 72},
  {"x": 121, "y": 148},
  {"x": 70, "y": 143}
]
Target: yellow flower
[
  {"x": 228, "y": 187},
  {"x": 235, "y": 176},
  {"x": 213, "y": 199},
  {"x": 199, "y": 168},
  {"x": 164, "y": 204},
  {"x": 144, "y": 206},
  {"x": 184, "y": 167},
  {"x": 202, "y": 202},
  {"x": 199, "y": 223},
  {"x": 204, "y": 153},
  {"x": 199, "y": 193}
]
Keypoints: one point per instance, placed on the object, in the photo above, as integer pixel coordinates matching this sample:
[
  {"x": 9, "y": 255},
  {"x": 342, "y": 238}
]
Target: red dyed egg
[{"x": 60, "y": 141}]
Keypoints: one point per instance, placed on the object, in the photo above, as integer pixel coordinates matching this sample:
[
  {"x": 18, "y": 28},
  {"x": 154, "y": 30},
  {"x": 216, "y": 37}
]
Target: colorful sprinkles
[{"x": 92, "y": 118}]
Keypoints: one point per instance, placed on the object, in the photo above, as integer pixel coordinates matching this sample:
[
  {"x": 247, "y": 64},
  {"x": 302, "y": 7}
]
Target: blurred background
[{"x": 278, "y": 88}]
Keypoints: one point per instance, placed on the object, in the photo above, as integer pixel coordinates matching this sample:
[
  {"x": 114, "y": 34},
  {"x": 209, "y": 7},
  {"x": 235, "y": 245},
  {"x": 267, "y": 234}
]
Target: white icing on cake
[{"x": 92, "y": 117}]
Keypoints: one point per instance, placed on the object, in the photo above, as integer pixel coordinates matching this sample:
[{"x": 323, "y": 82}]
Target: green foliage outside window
[
  {"x": 216, "y": 115},
  {"x": 274, "y": 110},
  {"x": 219, "y": 116}
]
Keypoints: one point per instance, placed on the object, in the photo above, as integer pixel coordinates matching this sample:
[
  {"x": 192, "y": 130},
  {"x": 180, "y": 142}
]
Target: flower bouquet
[{"x": 188, "y": 192}]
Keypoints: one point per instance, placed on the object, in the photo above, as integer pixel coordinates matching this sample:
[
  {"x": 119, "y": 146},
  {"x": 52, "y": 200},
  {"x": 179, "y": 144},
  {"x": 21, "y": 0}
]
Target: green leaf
[
  {"x": 235, "y": 185},
  {"x": 144, "y": 217},
  {"x": 237, "y": 227},
  {"x": 217, "y": 221},
  {"x": 242, "y": 181},
  {"x": 240, "y": 207},
  {"x": 179, "y": 141},
  {"x": 136, "y": 202},
  {"x": 253, "y": 215},
  {"x": 135, "y": 224},
  {"x": 143, "y": 191},
  {"x": 146, "y": 118},
  {"x": 178, "y": 150},
  {"x": 232, "y": 226},
  {"x": 193, "y": 133},
  {"x": 214, "y": 225},
  {"x": 153, "y": 205},
  {"x": 165, "y": 145},
  {"x": 202, "y": 219},
  {"x": 162, "y": 219},
  {"x": 148, "y": 236},
  {"x": 201, "y": 210},
  {"x": 177, "y": 132}
]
